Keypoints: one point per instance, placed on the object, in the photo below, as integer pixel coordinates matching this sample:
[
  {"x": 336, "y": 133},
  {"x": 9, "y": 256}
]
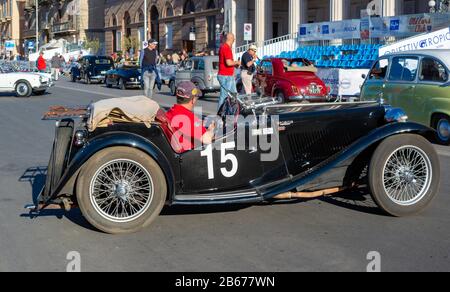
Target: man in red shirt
[
  {"x": 189, "y": 129},
  {"x": 226, "y": 69},
  {"x": 40, "y": 63}
]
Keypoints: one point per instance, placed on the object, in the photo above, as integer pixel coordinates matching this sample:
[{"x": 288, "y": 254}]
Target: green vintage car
[{"x": 418, "y": 82}]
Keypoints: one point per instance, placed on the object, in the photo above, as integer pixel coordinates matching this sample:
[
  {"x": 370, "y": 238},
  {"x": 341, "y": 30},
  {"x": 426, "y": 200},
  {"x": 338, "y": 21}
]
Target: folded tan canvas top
[{"x": 135, "y": 109}]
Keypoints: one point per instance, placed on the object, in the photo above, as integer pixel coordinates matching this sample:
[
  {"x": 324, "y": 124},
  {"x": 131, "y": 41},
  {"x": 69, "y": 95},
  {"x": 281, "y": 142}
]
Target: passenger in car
[{"x": 188, "y": 127}]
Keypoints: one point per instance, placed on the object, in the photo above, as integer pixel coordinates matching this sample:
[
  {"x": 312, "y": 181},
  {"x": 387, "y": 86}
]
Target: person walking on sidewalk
[
  {"x": 56, "y": 66},
  {"x": 149, "y": 60},
  {"x": 40, "y": 63},
  {"x": 226, "y": 69}
]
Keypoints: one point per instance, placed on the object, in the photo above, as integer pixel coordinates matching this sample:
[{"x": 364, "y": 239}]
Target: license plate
[{"x": 103, "y": 72}]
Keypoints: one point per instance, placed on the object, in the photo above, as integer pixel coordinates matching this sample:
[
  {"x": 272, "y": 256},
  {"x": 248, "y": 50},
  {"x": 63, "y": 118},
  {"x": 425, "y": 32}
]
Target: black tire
[
  {"x": 173, "y": 88},
  {"x": 439, "y": 122},
  {"x": 121, "y": 84},
  {"x": 108, "y": 85},
  {"x": 379, "y": 164},
  {"x": 23, "y": 89},
  {"x": 73, "y": 78},
  {"x": 58, "y": 156},
  {"x": 153, "y": 206},
  {"x": 88, "y": 80},
  {"x": 279, "y": 95}
]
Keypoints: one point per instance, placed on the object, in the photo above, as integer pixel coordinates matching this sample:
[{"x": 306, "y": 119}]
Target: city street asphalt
[{"x": 329, "y": 234}]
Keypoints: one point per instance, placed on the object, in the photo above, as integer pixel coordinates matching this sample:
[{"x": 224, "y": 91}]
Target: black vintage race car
[
  {"x": 91, "y": 69},
  {"x": 122, "y": 175},
  {"x": 124, "y": 77}
]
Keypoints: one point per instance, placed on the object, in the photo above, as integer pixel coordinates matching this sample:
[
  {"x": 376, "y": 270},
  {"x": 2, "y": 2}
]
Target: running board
[{"x": 211, "y": 199}]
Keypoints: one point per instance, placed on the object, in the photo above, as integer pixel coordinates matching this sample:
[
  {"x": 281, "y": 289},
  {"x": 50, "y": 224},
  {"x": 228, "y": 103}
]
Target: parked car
[
  {"x": 124, "y": 77},
  {"x": 202, "y": 71},
  {"x": 167, "y": 73},
  {"x": 289, "y": 80},
  {"x": 419, "y": 83},
  {"x": 92, "y": 69},
  {"x": 122, "y": 175},
  {"x": 23, "y": 84}
]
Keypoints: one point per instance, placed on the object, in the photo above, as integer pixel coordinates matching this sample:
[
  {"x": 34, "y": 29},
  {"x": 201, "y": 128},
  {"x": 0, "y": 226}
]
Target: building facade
[
  {"x": 72, "y": 20},
  {"x": 11, "y": 26},
  {"x": 274, "y": 18},
  {"x": 177, "y": 24}
]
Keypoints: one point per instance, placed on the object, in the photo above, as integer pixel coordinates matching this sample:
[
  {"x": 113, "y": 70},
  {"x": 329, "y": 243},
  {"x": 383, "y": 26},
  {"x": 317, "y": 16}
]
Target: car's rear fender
[
  {"x": 333, "y": 172},
  {"x": 68, "y": 180}
]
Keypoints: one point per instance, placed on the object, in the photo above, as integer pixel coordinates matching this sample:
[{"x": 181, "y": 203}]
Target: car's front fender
[
  {"x": 67, "y": 182},
  {"x": 339, "y": 164}
]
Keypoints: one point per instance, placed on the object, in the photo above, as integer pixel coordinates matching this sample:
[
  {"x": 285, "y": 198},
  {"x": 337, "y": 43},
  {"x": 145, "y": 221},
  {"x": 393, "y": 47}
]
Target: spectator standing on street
[
  {"x": 226, "y": 69},
  {"x": 248, "y": 68},
  {"x": 40, "y": 63},
  {"x": 148, "y": 60},
  {"x": 175, "y": 58},
  {"x": 56, "y": 66}
]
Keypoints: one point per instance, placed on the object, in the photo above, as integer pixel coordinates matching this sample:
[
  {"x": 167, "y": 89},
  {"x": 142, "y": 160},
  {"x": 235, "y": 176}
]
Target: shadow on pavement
[
  {"x": 36, "y": 177},
  {"x": 209, "y": 209},
  {"x": 355, "y": 200}
]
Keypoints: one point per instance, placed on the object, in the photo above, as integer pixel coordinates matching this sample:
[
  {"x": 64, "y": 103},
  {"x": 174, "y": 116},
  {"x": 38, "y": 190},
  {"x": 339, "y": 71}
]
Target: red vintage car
[{"x": 290, "y": 80}]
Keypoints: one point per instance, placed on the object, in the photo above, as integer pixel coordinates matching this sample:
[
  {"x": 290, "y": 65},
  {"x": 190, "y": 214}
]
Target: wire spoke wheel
[
  {"x": 121, "y": 190},
  {"x": 407, "y": 175}
]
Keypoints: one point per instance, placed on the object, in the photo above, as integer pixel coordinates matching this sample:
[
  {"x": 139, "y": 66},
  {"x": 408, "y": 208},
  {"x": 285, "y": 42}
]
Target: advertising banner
[
  {"x": 343, "y": 82},
  {"x": 374, "y": 27},
  {"x": 436, "y": 40}
]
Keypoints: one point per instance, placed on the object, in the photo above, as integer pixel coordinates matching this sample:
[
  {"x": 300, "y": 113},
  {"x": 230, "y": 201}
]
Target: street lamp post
[
  {"x": 145, "y": 20},
  {"x": 37, "y": 26},
  {"x": 218, "y": 33}
]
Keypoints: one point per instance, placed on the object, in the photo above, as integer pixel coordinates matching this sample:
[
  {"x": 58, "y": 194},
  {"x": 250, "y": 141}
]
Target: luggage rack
[{"x": 56, "y": 113}]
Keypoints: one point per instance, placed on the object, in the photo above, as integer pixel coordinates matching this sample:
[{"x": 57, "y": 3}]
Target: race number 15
[{"x": 224, "y": 157}]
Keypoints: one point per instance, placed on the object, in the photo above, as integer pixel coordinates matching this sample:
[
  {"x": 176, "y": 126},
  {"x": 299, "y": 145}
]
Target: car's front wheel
[
  {"x": 23, "y": 89},
  {"x": 441, "y": 123},
  {"x": 121, "y": 190},
  {"x": 121, "y": 84},
  {"x": 173, "y": 88},
  {"x": 404, "y": 174}
]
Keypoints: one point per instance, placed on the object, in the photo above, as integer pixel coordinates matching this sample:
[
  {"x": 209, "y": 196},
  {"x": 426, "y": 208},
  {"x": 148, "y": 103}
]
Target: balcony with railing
[{"x": 71, "y": 26}]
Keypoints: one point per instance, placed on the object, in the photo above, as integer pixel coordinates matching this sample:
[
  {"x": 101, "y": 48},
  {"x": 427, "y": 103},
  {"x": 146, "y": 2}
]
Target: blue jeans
[{"x": 228, "y": 82}]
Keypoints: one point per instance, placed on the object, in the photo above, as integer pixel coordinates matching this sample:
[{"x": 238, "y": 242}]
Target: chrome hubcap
[
  {"x": 444, "y": 130},
  {"x": 407, "y": 175},
  {"x": 121, "y": 190},
  {"x": 22, "y": 88}
]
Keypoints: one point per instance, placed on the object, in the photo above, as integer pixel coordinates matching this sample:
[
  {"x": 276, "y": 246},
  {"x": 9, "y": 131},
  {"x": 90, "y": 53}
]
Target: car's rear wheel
[
  {"x": 441, "y": 123},
  {"x": 173, "y": 88},
  {"x": 279, "y": 95},
  {"x": 23, "y": 89},
  {"x": 121, "y": 84},
  {"x": 121, "y": 190},
  {"x": 404, "y": 174},
  {"x": 58, "y": 156},
  {"x": 109, "y": 85}
]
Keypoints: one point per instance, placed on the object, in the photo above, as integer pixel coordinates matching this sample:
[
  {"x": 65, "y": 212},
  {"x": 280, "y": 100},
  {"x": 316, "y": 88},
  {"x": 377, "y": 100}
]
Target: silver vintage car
[{"x": 202, "y": 71}]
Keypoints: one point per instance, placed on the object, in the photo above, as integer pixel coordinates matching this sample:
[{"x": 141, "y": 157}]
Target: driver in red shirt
[{"x": 188, "y": 128}]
